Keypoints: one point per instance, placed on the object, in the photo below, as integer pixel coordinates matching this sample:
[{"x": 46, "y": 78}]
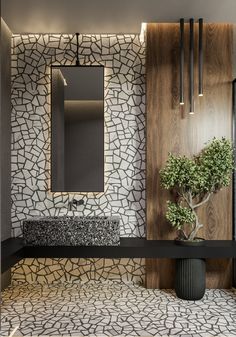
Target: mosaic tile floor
[{"x": 113, "y": 308}]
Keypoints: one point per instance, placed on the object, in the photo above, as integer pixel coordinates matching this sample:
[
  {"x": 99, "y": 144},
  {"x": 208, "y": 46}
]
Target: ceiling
[{"x": 108, "y": 16}]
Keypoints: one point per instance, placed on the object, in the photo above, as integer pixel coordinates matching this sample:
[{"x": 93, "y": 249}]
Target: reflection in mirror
[{"x": 77, "y": 129}]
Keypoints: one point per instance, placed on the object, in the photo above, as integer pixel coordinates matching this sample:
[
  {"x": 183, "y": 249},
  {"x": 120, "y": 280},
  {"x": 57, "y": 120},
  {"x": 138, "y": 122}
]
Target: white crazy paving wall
[{"x": 123, "y": 57}]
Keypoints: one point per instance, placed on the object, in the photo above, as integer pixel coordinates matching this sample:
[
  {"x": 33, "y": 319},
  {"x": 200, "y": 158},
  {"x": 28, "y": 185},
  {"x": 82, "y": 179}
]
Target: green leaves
[
  {"x": 207, "y": 172},
  {"x": 178, "y": 215},
  {"x": 195, "y": 180},
  {"x": 182, "y": 173},
  {"x": 216, "y": 164}
]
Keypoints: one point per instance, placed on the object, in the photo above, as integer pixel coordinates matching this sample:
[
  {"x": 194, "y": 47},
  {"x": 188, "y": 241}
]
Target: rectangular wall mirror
[{"x": 77, "y": 128}]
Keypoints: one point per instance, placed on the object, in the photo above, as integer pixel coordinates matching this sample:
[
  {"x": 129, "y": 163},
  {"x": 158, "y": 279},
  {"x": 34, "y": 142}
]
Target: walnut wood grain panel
[{"x": 171, "y": 129}]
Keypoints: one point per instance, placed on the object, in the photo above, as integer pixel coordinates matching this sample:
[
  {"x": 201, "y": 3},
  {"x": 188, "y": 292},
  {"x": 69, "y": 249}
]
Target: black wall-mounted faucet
[{"x": 74, "y": 202}]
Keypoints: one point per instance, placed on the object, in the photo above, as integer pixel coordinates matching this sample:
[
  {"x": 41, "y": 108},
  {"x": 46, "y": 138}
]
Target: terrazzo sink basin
[{"x": 72, "y": 231}]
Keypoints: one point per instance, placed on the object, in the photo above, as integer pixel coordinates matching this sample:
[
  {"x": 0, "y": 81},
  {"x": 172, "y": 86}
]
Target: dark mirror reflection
[{"x": 77, "y": 129}]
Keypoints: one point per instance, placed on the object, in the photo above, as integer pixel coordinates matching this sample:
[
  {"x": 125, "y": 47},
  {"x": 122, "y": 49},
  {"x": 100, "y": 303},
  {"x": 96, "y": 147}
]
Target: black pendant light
[
  {"x": 191, "y": 65},
  {"x": 181, "y": 84},
  {"x": 191, "y": 62},
  {"x": 200, "y": 57},
  {"x": 77, "y": 49}
]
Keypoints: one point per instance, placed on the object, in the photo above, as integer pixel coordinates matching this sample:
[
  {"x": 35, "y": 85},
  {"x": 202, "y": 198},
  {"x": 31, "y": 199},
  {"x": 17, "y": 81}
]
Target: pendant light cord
[{"x": 77, "y": 49}]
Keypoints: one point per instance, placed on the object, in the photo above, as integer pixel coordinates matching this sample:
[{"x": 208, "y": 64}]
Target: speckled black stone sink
[{"x": 72, "y": 231}]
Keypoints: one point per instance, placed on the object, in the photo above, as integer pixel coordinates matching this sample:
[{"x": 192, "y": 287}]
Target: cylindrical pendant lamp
[
  {"x": 181, "y": 84},
  {"x": 191, "y": 65},
  {"x": 200, "y": 58}
]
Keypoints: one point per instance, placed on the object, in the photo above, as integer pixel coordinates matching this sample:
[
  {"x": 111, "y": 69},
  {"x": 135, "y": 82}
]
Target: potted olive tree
[{"x": 194, "y": 181}]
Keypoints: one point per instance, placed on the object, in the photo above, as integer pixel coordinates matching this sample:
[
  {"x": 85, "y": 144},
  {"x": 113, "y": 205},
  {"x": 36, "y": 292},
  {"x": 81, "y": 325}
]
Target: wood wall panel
[{"x": 170, "y": 128}]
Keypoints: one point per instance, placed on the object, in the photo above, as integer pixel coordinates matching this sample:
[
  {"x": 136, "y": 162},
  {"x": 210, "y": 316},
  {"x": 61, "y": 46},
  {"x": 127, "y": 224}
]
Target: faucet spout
[{"x": 74, "y": 202}]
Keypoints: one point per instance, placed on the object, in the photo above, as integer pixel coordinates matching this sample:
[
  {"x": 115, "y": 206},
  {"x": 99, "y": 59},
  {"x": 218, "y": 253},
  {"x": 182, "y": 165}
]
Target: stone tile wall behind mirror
[{"x": 124, "y": 59}]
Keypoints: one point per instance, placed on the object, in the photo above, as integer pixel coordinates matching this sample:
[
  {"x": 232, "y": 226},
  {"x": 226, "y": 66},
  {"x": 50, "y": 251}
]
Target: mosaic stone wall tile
[
  {"x": 47, "y": 270},
  {"x": 114, "y": 308},
  {"x": 124, "y": 59}
]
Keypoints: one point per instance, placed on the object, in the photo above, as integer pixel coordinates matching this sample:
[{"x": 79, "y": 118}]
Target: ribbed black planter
[{"x": 190, "y": 279}]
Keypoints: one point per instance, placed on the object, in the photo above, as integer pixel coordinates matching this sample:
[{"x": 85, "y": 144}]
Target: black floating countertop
[
  {"x": 14, "y": 250},
  {"x": 138, "y": 248}
]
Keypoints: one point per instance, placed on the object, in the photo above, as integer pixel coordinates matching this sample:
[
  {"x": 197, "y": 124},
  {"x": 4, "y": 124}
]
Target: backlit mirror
[{"x": 77, "y": 128}]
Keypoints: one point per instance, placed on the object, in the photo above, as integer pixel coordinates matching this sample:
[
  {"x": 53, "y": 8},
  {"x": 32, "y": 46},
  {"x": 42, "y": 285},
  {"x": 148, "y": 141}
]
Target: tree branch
[
  {"x": 203, "y": 201},
  {"x": 183, "y": 234},
  {"x": 196, "y": 227},
  {"x": 194, "y": 232},
  {"x": 186, "y": 199},
  {"x": 189, "y": 200}
]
